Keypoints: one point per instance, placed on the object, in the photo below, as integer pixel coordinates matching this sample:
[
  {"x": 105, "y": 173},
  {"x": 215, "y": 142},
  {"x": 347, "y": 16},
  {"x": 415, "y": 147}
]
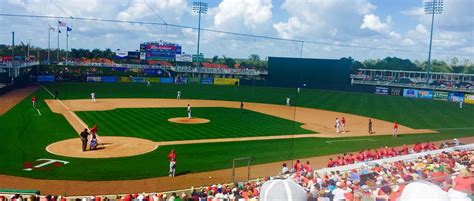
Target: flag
[
  {"x": 50, "y": 27},
  {"x": 69, "y": 29},
  {"x": 61, "y": 23}
]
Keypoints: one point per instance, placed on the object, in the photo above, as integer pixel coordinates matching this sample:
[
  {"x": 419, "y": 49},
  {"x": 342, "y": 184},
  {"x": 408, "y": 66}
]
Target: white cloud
[
  {"x": 238, "y": 14},
  {"x": 323, "y": 19},
  {"x": 373, "y": 22},
  {"x": 169, "y": 10}
]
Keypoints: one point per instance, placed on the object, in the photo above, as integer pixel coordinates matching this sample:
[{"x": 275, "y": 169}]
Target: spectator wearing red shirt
[
  {"x": 418, "y": 147},
  {"x": 307, "y": 167},
  {"x": 330, "y": 163},
  {"x": 404, "y": 150},
  {"x": 172, "y": 159},
  {"x": 298, "y": 166},
  {"x": 395, "y": 129}
]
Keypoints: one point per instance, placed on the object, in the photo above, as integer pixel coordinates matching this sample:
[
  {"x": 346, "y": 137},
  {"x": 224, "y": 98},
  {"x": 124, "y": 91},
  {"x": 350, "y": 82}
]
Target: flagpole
[
  {"x": 49, "y": 43},
  {"x": 67, "y": 43},
  {"x": 57, "y": 54}
]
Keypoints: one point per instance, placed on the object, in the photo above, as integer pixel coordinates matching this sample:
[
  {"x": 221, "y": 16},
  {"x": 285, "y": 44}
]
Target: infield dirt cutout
[{"x": 320, "y": 121}]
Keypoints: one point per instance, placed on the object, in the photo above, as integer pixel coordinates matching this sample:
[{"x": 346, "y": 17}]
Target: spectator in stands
[{"x": 463, "y": 182}]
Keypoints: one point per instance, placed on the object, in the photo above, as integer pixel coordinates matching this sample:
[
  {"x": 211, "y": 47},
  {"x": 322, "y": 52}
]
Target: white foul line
[
  {"x": 444, "y": 129},
  {"x": 38, "y": 111},
  {"x": 71, "y": 112},
  {"x": 330, "y": 141}
]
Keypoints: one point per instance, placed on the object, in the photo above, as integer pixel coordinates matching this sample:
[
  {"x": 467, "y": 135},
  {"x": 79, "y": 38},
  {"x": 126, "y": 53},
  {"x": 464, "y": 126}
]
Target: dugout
[{"x": 326, "y": 74}]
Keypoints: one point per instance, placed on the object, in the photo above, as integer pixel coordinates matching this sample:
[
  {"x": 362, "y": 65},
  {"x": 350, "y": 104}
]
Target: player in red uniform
[
  {"x": 343, "y": 121},
  {"x": 172, "y": 159},
  {"x": 33, "y": 100},
  {"x": 395, "y": 129}
]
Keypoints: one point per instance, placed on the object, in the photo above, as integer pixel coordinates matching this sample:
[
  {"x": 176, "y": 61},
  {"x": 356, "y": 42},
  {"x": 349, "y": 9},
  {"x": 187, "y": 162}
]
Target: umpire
[{"x": 84, "y": 135}]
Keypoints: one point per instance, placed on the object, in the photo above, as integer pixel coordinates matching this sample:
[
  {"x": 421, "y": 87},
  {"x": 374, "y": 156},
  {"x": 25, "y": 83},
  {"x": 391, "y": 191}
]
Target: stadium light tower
[
  {"x": 199, "y": 8},
  {"x": 432, "y": 8}
]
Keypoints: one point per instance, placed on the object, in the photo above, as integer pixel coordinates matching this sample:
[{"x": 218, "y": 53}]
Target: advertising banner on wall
[
  {"x": 138, "y": 79},
  {"x": 94, "y": 79},
  {"x": 168, "y": 80},
  {"x": 440, "y": 95},
  {"x": 193, "y": 80},
  {"x": 456, "y": 96},
  {"x": 396, "y": 91},
  {"x": 151, "y": 71},
  {"x": 124, "y": 79},
  {"x": 226, "y": 81},
  {"x": 181, "y": 80},
  {"x": 381, "y": 90},
  {"x": 109, "y": 79},
  {"x": 207, "y": 80},
  {"x": 45, "y": 78},
  {"x": 469, "y": 98},
  {"x": 153, "y": 79},
  {"x": 412, "y": 93},
  {"x": 425, "y": 94}
]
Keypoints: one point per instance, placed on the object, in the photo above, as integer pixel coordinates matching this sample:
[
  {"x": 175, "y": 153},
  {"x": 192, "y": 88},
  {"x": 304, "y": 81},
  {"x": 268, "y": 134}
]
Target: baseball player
[
  {"x": 338, "y": 124},
  {"x": 343, "y": 124},
  {"x": 189, "y": 111},
  {"x": 178, "y": 95},
  {"x": 148, "y": 83},
  {"x": 370, "y": 126},
  {"x": 460, "y": 104},
  {"x": 84, "y": 134},
  {"x": 172, "y": 159},
  {"x": 395, "y": 129},
  {"x": 93, "y": 97},
  {"x": 298, "y": 90},
  {"x": 288, "y": 101},
  {"x": 241, "y": 105},
  {"x": 33, "y": 101}
]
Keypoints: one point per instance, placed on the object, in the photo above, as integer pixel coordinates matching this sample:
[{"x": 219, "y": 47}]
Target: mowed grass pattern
[{"x": 153, "y": 124}]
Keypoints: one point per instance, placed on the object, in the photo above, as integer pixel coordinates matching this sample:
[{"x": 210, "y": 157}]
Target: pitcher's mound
[
  {"x": 185, "y": 120},
  {"x": 109, "y": 147}
]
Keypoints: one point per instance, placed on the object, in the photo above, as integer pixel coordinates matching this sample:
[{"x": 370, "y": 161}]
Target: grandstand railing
[{"x": 412, "y": 85}]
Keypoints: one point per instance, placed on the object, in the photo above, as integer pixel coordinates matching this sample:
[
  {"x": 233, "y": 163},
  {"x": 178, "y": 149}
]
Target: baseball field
[{"x": 136, "y": 132}]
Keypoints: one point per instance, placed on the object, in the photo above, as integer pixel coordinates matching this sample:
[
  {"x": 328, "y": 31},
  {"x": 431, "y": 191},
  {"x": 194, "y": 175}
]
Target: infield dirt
[{"x": 320, "y": 121}]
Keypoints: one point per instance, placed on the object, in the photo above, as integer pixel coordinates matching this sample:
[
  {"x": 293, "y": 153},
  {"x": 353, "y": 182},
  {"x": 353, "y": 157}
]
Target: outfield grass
[
  {"x": 153, "y": 124},
  {"x": 25, "y": 134}
]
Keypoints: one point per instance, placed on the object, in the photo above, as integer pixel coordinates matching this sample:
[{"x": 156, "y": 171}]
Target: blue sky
[{"x": 382, "y": 24}]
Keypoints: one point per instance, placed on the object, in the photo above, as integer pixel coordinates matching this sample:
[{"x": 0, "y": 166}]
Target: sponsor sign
[
  {"x": 133, "y": 55},
  {"x": 226, "y": 81},
  {"x": 168, "y": 80},
  {"x": 193, "y": 80},
  {"x": 109, "y": 79},
  {"x": 94, "y": 79},
  {"x": 181, "y": 80},
  {"x": 456, "y": 96},
  {"x": 207, "y": 80},
  {"x": 412, "y": 93},
  {"x": 425, "y": 94},
  {"x": 45, "y": 78},
  {"x": 396, "y": 91},
  {"x": 120, "y": 69},
  {"x": 469, "y": 98},
  {"x": 153, "y": 79},
  {"x": 138, "y": 79},
  {"x": 121, "y": 54},
  {"x": 124, "y": 79},
  {"x": 381, "y": 90},
  {"x": 151, "y": 71},
  {"x": 440, "y": 95}
]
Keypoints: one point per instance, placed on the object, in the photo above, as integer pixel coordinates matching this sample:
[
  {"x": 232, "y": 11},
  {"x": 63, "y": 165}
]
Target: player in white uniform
[
  {"x": 93, "y": 97},
  {"x": 189, "y": 111},
  {"x": 338, "y": 125},
  {"x": 178, "y": 95},
  {"x": 148, "y": 83},
  {"x": 460, "y": 104},
  {"x": 288, "y": 102}
]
